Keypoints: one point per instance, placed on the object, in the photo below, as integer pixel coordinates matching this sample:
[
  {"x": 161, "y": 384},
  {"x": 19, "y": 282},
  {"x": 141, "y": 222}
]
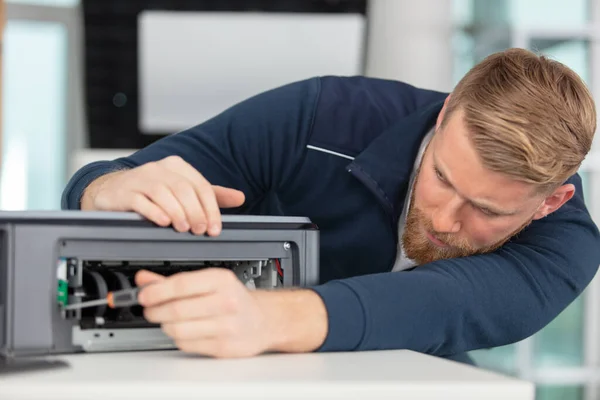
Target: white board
[{"x": 193, "y": 65}]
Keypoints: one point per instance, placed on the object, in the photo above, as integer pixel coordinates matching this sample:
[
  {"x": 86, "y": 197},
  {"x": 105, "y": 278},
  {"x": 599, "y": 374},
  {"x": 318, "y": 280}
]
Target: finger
[
  {"x": 186, "y": 284},
  {"x": 228, "y": 197},
  {"x": 186, "y": 309},
  {"x": 203, "y": 190},
  {"x": 143, "y": 206},
  {"x": 211, "y": 208},
  {"x": 145, "y": 277},
  {"x": 195, "y": 329},
  {"x": 160, "y": 194},
  {"x": 184, "y": 192}
]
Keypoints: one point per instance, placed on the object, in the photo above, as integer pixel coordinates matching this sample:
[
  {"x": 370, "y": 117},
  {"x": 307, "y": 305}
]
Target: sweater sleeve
[
  {"x": 457, "y": 305},
  {"x": 254, "y": 146}
]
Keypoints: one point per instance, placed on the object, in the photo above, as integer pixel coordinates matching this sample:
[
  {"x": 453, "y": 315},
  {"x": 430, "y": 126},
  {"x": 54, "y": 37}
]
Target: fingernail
[{"x": 214, "y": 229}]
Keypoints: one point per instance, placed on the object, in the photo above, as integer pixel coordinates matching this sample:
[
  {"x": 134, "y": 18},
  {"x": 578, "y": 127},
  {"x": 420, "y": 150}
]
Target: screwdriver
[{"x": 118, "y": 298}]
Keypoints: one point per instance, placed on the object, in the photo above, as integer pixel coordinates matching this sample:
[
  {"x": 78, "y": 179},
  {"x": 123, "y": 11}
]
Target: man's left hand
[{"x": 211, "y": 312}]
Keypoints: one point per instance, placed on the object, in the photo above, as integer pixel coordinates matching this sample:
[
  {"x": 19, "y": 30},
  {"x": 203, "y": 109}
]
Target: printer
[{"x": 50, "y": 259}]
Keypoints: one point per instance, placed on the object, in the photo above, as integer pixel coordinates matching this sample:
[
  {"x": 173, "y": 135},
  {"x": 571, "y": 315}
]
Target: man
[{"x": 448, "y": 223}]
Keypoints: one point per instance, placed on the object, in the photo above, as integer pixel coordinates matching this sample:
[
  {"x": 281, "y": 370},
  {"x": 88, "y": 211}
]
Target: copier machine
[{"x": 51, "y": 259}]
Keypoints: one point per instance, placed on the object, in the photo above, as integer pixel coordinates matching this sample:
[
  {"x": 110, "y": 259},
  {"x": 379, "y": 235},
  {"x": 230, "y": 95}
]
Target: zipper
[{"x": 362, "y": 177}]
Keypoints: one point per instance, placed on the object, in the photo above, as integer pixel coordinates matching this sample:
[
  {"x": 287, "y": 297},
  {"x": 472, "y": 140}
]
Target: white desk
[{"x": 174, "y": 375}]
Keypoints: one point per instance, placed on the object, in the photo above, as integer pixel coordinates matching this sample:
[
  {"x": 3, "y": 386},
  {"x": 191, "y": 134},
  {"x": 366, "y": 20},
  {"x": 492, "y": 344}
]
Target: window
[
  {"x": 34, "y": 89},
  {"x": 558, "y": 357},
  {"x": 35, "y": 101}
]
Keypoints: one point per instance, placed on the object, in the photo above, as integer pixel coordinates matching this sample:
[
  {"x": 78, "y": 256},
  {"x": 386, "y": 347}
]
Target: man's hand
[
  {"x": 210, "y": 312},
  {"x": 167, "y": 192}
]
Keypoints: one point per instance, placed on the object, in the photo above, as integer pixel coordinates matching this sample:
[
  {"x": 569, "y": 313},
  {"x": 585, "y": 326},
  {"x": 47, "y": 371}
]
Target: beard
[{"x": 420, "y": 249}]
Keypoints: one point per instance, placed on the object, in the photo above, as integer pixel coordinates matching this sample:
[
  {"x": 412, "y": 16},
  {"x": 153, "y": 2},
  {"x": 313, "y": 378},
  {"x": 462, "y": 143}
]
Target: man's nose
[{"x": 445, "y": 218}]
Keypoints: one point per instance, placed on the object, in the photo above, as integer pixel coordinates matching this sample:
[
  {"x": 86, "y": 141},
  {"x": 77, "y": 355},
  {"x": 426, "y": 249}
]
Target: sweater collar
[{"x": 386, "y": 164}]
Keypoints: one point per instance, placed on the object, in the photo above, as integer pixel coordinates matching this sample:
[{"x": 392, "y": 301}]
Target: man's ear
[
  {"x": 555, "y": 200},
  {"x": 440, "y": 117}
]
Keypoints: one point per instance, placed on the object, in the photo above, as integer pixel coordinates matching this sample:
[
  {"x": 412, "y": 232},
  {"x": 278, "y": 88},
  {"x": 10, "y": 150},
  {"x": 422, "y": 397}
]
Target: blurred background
[{"x": 94, "y": 79}]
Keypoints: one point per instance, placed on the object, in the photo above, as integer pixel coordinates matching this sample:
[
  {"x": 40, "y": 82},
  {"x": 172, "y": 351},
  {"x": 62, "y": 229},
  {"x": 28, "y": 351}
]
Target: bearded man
[{"x": 449, "y": 222}]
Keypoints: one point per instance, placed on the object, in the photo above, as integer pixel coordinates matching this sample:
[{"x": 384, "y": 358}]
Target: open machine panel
[{"x": 51, "y": 259}]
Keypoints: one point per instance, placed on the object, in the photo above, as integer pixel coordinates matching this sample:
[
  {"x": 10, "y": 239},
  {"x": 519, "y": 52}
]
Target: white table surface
[{"x": 175, "y": 375}]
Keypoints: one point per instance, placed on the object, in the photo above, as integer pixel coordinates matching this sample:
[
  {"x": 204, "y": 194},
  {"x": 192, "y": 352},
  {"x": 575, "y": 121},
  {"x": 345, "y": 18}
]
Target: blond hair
[{"x": 529, "y": 117}]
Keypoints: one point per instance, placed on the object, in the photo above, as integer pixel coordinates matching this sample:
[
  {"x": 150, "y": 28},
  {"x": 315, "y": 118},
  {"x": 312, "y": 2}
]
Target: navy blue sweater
[{"x": 340, "y": 151}]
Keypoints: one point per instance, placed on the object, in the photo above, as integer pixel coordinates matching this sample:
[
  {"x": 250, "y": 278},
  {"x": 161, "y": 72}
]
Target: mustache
[
  {"x": 449, "y": 239},
  {"x": 453, "y": 241}
]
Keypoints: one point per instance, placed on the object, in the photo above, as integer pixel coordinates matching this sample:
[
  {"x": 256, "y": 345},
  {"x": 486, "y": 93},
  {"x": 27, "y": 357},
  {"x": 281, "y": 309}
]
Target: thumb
[
  {"x": 227, "y": 197},
  {"x": 145, "y": 277}
]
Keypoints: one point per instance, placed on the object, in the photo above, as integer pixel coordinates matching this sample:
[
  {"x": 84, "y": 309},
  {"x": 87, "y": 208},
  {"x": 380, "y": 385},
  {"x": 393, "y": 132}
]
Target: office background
[{"x": 86, "y": 80}]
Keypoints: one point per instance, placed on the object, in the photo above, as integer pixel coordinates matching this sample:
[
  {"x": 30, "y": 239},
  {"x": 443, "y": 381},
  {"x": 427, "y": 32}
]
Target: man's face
[{"x": 458, "y": 207}]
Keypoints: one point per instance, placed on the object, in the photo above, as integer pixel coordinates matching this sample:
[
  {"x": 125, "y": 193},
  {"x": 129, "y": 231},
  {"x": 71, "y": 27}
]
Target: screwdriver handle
[{"x": 123, "y": 298}]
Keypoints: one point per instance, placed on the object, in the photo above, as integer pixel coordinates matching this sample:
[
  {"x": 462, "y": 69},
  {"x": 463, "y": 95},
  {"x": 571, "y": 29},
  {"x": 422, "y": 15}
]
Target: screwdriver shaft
[
  {"x": 119, "y": 298},
  {"x": 85, "y": 304}
]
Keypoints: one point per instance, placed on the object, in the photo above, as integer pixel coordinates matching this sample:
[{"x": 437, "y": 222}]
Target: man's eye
[
  {"x": 488, "y": 212},
  {"x": 438, "y": 174}
]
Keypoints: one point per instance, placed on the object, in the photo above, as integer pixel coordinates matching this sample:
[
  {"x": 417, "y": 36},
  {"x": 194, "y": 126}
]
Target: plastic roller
[
  {"x": 95, "y": 288},
  {"x": 116, "y": 281}
]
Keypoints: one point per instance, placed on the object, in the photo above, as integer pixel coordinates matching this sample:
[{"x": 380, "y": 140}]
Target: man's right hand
[{"x": 167, "y": 192}]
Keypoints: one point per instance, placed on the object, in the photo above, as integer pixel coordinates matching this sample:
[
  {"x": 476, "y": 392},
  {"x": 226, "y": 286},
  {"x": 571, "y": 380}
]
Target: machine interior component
[{"x": 85, "y": 280}]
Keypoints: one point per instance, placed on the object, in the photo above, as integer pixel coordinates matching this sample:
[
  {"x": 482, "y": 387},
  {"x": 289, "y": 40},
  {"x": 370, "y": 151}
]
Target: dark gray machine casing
[{"x": 31, "y": 320}]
